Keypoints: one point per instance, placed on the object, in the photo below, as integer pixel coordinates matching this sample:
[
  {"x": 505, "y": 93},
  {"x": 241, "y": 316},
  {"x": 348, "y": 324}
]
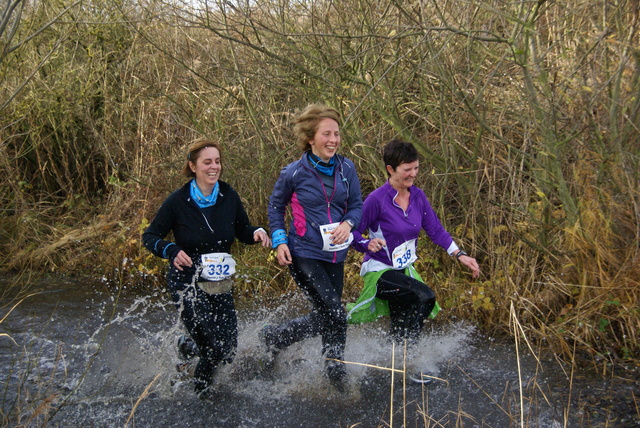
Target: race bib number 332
[{"x": 217, "y": 266}]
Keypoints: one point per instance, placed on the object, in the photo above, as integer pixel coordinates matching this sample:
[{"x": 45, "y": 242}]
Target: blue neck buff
[
  {"x": 202, "y": 200},
  {"x": 326, "y": 168}
]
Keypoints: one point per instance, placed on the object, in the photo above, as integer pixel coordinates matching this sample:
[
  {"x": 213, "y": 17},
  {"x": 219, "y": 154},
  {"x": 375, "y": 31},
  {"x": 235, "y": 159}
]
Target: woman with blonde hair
[{"x": 323, "y": 192}]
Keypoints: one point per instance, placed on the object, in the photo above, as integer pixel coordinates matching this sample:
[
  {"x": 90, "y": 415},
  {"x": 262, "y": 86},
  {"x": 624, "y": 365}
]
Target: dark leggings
[
  {"x": 212, "y": 323},
  {"x": 410, "y": 303},
  {"x": 322, "y": 282}
]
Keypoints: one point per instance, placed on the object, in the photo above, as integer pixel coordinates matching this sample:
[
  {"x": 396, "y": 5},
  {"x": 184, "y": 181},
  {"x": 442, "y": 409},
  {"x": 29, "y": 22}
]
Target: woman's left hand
[
  {"x": 471, "y": 263},
  {"x": 261, "y": 236},
  {"x": 341, "y": 233}
]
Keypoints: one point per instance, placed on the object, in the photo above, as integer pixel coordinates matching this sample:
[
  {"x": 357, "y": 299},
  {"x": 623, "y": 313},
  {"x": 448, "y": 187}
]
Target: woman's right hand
[
  {"x": 284, "y": 255},
  {"x": 182, "y": 259}
]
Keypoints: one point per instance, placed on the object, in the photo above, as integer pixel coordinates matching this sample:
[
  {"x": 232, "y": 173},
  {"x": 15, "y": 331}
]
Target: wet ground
[{"x": 77, "y": 355}]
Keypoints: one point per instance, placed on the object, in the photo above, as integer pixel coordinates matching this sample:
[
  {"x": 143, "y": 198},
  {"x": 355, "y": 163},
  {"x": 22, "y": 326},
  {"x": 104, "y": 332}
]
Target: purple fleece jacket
[{"x": 384, "y": 219}]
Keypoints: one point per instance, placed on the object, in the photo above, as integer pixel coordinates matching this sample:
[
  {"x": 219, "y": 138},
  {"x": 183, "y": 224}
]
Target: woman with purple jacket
[
  {"x": 322, "y": 191},
  {"x": 393, "y": 216}
]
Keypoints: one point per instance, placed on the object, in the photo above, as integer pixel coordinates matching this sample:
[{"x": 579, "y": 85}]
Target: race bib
[
  {"x": 325, "y": 231},
  {"x": 217, "y": 266},
  {"x": 404, "y": 254}
]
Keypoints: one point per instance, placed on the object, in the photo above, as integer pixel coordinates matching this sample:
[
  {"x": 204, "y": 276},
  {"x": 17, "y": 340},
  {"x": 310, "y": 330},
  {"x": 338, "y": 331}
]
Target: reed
[
  {"x": 526, "y": 116},
  {"x": 22, "y": 404}
]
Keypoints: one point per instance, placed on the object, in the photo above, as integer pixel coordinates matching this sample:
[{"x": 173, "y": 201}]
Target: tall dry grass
[{"x": 525, "y": 114}]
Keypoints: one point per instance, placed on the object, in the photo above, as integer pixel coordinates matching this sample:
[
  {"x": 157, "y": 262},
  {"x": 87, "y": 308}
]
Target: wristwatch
[
  {"x": 350, "y": 223},
  {"x": 460, "y": 253}
]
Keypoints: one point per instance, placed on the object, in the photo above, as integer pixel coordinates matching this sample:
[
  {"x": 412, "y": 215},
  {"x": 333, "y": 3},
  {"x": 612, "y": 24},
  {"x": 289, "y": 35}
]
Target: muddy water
[{"x": 80, "y": 355}]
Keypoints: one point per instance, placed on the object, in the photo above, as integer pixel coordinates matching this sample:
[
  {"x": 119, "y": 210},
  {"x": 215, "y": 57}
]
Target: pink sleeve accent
[{"x": 299, "y": 219}]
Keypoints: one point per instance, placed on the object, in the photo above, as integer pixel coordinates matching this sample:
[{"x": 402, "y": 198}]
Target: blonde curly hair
[{"x": 306, "y": 123}]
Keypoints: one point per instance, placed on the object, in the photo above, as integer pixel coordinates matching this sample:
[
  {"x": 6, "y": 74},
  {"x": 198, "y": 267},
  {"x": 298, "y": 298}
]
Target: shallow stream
[{"x": 74, "y": 354}]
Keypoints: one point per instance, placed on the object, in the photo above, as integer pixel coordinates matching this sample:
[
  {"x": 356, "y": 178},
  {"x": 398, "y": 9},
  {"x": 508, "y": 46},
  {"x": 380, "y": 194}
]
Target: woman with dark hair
[
  {"x": 323, "y": 191},
  {"x": 392, "y": 217},
  {"x": 205, "y": 216}
]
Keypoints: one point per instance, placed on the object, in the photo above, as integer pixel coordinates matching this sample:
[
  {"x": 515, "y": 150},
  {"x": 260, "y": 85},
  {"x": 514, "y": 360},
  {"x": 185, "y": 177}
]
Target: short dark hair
[{"x": 397, "y": 152}]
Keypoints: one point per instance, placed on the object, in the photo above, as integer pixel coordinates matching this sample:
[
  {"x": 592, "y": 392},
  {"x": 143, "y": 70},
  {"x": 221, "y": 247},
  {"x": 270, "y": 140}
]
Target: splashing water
[{"x": 84, "y": 358}]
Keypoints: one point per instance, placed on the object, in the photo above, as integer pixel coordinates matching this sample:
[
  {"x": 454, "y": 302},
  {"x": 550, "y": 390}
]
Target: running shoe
[
  {"x": 337, "y": 374},
  {"x": 422, "y": 376},
  {"x": 187, "y": 348},
  {"x": 270, "y": 349}
]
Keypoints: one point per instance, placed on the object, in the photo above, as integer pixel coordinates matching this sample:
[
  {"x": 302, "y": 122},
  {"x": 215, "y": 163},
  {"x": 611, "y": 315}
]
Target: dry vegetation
[{"x": 526, "y": 115}]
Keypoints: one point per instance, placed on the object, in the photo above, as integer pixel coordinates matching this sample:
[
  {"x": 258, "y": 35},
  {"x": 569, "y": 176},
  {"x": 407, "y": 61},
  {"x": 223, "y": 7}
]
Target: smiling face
[
  {"x": 326, "y": 140},
  {"x": 207, "y": 169},
  {"x": 404, "y": 175}
]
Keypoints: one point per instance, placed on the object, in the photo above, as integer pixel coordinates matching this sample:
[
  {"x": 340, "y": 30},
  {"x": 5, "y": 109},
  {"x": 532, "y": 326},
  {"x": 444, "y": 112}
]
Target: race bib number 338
[{"x": 404, "y": 254}]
